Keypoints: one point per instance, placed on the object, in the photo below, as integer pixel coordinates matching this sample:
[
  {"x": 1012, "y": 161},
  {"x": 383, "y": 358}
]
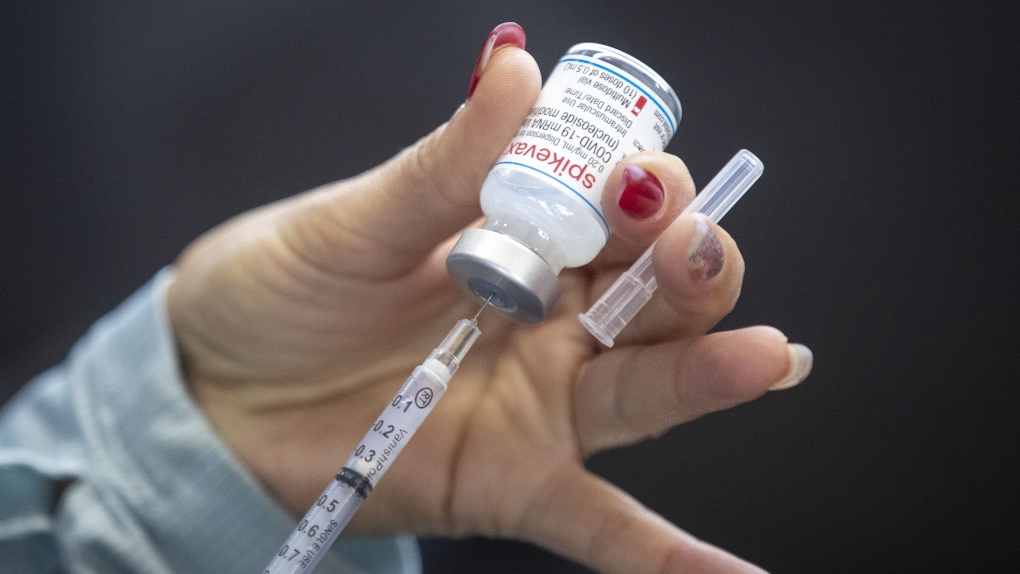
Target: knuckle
[
  {"x": 610, "y": 531},
  {"x": 680, "y": 557}
]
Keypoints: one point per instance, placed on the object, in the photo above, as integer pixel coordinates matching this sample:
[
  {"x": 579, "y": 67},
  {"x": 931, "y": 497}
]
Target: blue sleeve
[{"x": 107, "y": 466}]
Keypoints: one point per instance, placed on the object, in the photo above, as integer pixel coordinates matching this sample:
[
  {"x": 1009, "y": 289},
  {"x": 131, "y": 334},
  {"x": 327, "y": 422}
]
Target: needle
[{"x": 484, "y": 305}]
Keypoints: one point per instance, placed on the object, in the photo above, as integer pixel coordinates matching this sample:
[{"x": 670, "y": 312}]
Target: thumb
[{"x": 385, "y": 221}]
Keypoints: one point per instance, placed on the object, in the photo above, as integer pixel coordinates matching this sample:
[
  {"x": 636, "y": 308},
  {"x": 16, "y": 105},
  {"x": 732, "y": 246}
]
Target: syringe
[
  {"x": 611, "y": 313},
  {"x": 372, "y": 458}
]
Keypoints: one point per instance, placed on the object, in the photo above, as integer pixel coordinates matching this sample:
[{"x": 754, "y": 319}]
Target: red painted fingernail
[
  {"x": 641, "y": 194},
  {"x": 505, "y": 33}
]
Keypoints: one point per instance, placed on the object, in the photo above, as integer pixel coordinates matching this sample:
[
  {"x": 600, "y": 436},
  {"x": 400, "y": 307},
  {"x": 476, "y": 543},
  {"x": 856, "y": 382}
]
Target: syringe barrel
[
  {"x": 395, "y": 426},
  {"x": 318, "y": 530},
  {"x": 362, "y": 471},
  {"x": 374, "y": 455}
]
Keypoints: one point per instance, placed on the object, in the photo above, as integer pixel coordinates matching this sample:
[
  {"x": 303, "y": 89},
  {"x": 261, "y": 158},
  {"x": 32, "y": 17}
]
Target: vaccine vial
[{"x": 542, "y": 199}]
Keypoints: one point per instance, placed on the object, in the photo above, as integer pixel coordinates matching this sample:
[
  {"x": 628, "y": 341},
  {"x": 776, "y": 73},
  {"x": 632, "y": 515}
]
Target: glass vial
[{"x": 542, "y": 198}]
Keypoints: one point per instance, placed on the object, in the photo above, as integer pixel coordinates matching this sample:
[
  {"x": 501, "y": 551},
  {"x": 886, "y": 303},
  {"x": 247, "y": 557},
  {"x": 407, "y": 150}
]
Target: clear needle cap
[{"x": 611, "y": 313}]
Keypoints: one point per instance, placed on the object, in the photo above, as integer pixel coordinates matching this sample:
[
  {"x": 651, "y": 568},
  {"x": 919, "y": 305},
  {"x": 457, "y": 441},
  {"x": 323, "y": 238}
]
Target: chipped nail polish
[{"x": 705, "y": 255}]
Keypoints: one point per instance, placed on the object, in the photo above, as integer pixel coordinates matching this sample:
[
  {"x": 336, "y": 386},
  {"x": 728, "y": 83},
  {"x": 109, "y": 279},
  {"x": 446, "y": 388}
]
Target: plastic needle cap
[{"x": 611, "y": 313}]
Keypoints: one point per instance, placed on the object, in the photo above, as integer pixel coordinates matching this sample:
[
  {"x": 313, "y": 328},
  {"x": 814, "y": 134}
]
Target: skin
[{"x": 297, "y": 322}]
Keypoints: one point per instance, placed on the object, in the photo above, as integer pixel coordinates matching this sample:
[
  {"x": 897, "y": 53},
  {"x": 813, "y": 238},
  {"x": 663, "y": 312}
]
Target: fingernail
[
  {"x": 505, "y": 33},
  {"x": 705, "y": 255},
  {"x": 641, "y": 194},
  {"x": 801, "y": 360}
]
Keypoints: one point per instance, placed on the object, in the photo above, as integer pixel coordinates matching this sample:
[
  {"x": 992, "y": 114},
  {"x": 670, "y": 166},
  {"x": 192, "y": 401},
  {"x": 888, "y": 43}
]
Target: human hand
[{"x": 297, "y": 323}]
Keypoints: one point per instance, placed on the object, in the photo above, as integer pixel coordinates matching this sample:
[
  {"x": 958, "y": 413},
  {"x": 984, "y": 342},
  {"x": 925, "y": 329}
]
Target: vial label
[{"x": 589, "y": 116}]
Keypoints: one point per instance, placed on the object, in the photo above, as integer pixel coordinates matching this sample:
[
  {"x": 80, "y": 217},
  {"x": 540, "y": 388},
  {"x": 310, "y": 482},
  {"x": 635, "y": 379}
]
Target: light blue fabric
[{"x": 106, "y": 466}]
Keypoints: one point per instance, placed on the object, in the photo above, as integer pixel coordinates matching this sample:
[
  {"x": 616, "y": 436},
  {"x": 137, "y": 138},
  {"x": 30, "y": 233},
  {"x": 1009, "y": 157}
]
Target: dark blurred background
[{"x": 881, "y": 235}]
